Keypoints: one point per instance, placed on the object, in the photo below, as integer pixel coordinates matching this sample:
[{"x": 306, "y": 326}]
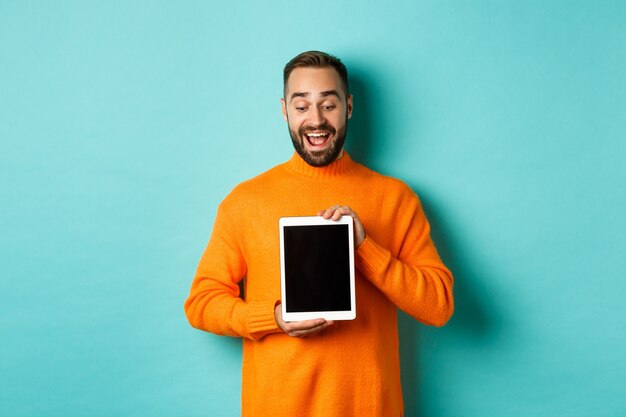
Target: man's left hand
[{"x": 335, "y": 213}]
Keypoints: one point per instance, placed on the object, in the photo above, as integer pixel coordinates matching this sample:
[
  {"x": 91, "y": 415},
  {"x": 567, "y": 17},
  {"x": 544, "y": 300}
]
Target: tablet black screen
[{"x": 317, "y": 268}]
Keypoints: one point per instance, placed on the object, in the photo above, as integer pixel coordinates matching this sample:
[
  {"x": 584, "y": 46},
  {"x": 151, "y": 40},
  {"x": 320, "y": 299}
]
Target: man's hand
[
  {"x": 335, "y": 213},
  {"x": 302, "y": 328}
]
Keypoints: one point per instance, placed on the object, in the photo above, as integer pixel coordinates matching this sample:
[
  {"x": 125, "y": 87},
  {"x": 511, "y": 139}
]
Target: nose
[{"x": 317, "y": 117}]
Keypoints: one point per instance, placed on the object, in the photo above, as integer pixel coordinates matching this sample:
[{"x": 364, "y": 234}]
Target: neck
[{"x": 340, "y": 166}]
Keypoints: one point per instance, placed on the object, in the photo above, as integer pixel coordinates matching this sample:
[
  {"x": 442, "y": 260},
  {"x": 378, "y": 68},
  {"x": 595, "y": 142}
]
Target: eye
[
  {"x": 329, "y": 107},
  {"x": 301, "y": 109}
]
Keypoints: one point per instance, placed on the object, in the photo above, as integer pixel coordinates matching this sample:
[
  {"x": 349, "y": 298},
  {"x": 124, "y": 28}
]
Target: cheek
[
  {"x": 295, "y": 121},
  {"x": 293, "y": 125},
  {"x": 339, "y": 120}
]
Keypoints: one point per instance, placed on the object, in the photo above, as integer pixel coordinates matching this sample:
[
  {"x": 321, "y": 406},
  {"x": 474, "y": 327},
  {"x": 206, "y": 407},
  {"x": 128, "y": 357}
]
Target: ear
[
  {"x": 349, "y": 109},
  {"x": 283, "y": 106}
]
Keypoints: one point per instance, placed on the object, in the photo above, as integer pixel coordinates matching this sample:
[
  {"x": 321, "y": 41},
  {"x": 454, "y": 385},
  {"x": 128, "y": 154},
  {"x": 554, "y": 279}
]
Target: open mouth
[{"x": 317, "y": 139}]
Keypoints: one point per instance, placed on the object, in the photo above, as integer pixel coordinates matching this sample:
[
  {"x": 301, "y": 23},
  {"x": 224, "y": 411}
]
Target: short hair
[{"x": 319, "y": 60}]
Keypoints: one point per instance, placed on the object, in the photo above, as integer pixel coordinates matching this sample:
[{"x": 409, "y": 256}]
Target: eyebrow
[{"x": 323, "y": 94}]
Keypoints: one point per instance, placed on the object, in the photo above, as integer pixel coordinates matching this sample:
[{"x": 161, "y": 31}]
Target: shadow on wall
[
  {"x": 472, "y": 324},
  {"x": 361, "y": 128},
  {"x": 470, "y": 314},
  {"x": 471, "y": 320}
]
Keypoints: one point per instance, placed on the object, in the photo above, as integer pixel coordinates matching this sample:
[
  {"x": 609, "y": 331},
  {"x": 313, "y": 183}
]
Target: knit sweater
[{"x": 352, "y": 368}]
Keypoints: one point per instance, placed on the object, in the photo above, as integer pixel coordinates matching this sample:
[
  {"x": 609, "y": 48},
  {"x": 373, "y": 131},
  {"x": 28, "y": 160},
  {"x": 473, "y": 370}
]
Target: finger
[
  {"x": 304, "y": 325},
  {"x": 335, "y": 212},
  {"x": 328, "y": 213},
  {"x": 312, "y": 330},
  {"x": 344, "y": 211},
  {"x": 341, "y": 211},
  {"x": 325, "y": 213}
]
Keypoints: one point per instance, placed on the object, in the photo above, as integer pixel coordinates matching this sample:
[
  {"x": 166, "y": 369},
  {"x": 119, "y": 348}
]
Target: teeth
[{"x": 317, "y": 139}]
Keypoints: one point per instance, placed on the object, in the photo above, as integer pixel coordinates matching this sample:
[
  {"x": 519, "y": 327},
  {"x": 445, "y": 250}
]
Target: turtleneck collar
[{"x": 339, "y": 167}]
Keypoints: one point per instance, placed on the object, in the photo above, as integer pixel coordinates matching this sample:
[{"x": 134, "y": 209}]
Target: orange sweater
[{"x": 352, "y": 368}]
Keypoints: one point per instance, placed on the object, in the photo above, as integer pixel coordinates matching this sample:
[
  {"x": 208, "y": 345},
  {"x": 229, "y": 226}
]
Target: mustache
[{"x": 323, "y": 126}]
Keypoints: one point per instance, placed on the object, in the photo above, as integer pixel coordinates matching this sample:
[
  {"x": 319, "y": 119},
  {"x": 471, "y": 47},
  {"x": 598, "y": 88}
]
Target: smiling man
[
  {"x": 317, "y": 112},
  {"x": 319, "y": 367}
]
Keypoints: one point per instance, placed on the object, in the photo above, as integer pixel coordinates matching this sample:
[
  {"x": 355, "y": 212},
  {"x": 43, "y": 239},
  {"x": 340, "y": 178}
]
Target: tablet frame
[{"x": 317, "y": 221}]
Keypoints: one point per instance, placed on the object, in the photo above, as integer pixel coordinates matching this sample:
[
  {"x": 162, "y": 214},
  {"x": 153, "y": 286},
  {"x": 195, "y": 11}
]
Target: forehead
[{"x": 313, "y": 81}]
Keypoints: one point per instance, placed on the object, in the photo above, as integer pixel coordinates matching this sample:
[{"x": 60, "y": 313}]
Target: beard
[{"x": 323, "y": 157}]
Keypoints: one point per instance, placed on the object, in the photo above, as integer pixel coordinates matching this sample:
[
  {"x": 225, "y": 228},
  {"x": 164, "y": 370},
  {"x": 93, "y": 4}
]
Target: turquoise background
[{"x": 124, "y": 124}]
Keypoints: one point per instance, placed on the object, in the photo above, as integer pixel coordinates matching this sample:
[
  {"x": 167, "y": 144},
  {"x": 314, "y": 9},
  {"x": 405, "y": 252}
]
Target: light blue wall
[{"x": 124, "y": 124}]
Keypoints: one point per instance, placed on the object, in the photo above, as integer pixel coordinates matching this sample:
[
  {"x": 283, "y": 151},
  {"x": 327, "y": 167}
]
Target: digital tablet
[{"x": 317, "y": 268}]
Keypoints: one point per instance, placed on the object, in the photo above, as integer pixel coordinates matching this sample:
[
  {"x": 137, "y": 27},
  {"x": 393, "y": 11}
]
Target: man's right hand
[{"x": 302, "y": 328}]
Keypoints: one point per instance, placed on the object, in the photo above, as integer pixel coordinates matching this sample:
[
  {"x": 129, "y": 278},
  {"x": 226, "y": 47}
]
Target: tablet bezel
[{"x": 317, "y": 221}]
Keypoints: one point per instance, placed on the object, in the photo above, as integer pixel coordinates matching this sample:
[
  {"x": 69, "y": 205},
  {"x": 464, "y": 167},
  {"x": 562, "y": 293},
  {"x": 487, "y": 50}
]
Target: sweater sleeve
[
  {"x": 214, "y": 303},
  {"x": 415, "y": 280}
]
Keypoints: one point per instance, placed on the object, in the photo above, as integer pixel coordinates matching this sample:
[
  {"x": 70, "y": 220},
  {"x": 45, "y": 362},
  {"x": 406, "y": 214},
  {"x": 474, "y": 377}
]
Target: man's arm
[
  {"x": 416, "y": 280},
  {"x": 214, "y": 304}
]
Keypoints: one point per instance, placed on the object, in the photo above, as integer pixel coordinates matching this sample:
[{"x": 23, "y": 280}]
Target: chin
[{"x": 322, "y": 157}]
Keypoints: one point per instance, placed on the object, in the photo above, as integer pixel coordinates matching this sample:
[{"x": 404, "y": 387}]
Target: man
[{"x": 319, "y": 367}]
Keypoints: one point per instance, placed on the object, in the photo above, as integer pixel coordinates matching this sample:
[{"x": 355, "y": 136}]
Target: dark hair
[{"x": 316, "y": 59}]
